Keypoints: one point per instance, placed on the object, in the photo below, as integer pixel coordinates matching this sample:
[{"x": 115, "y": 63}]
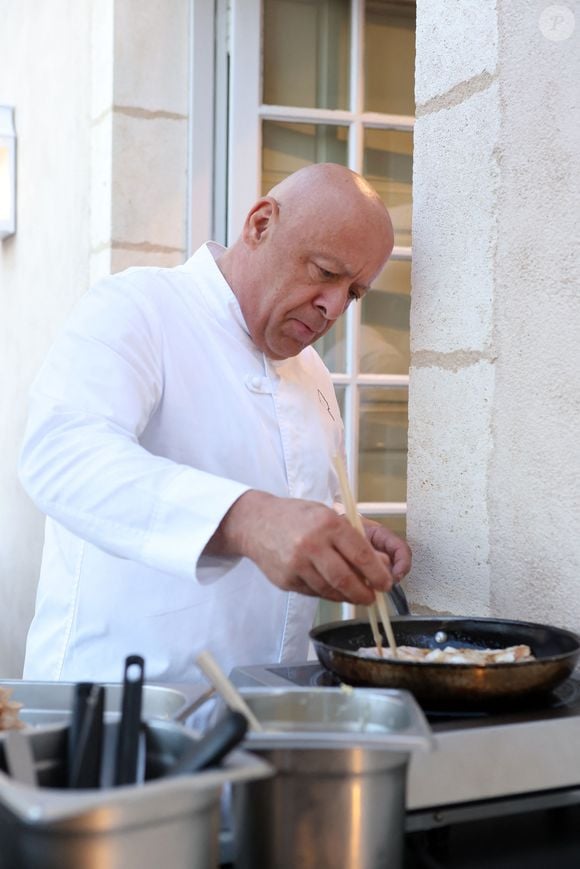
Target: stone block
[
  {"x": 455, "y": 42},
  {"x": 149, "y": 181},
  {"x": 125, "y": 258},
  {"x": 152, "y": 55},
  {"x": 454, "y": 225},
  {"x": 450, "y": 444}
]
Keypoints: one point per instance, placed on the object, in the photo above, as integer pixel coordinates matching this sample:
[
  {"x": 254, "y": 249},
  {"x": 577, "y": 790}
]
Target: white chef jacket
[{"x": 152, "y": 414}]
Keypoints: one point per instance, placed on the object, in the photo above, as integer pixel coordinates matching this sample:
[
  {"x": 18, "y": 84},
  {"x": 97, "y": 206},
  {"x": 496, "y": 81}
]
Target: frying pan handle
[{"x": 399, "y": 600}]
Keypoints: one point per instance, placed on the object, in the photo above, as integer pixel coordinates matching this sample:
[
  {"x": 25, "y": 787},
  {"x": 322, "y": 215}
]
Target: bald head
[
  {"x": 334, "y": 194},
  {"x": 311, "y": 246}
]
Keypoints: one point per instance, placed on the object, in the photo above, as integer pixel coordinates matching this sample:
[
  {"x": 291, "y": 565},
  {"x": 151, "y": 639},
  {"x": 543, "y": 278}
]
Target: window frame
[{"x": 245, "y": 114}]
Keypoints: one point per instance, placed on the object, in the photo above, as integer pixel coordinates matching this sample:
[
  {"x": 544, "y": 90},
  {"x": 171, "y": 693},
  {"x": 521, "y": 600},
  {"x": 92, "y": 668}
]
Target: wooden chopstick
[
  {"x": 374, "y": 623},
  {"x": 356, "y": 521},
  {"x": 212, "y": 670}
]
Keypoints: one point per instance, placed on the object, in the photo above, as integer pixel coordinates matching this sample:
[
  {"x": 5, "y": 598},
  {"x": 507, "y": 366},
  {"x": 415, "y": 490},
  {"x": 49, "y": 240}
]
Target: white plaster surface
[
  {"x": 45, "y": 74},
  {"x": 100, "y": 263},
  {"x": 535, "y": 474},
  {"x": 149, "y": 181},
  {"x": 454, "y": 225},
  {"x": 455, "y": 42},
  {"x": 99, "y": 190},
  {"x": 449, "y": 453},
  {"x": 500, "y": 536},
  {"x": 151, "y": 51},
  {"x": 101, "y": 180},
  {"x": 124, "y": 258},
  {"x": 102, "y": 55}
]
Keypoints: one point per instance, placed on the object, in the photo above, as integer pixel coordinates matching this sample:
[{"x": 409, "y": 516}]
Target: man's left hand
[{"x": 384, "y": 540}]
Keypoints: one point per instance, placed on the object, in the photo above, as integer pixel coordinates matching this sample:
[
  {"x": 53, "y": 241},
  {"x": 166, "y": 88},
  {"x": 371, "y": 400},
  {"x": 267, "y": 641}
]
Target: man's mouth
[{"x": 305, "y": 332}]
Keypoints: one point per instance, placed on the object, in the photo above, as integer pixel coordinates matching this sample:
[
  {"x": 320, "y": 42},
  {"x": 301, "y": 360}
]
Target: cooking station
[{"x": 485, "y": 764}]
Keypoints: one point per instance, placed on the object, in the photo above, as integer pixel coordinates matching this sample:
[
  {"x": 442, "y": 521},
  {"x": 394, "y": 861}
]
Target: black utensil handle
[
  {"x": 130, "y": 726},
  {"x": 86, "y": 767},
  {"x": 212, "y": 747},
  {"x": 80, "y": 696},
  {"x": 400, "y": 602}
]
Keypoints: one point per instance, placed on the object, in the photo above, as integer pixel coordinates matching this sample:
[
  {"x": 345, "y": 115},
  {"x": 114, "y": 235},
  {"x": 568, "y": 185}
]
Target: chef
[{"x": 180, "y": 442}]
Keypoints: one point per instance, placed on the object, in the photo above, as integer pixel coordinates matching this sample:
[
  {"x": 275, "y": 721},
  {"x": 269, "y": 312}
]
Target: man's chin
[
  {"x": 285, "y": 348},
  {"x": 280, "y": 356}
]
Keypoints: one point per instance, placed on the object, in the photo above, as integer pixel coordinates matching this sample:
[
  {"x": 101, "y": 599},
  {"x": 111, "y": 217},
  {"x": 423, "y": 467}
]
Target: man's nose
[{"x": 332, "y": 302}]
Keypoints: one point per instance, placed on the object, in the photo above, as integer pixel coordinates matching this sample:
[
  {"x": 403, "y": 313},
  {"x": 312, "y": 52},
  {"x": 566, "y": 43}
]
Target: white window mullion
[
  {"x": 222, "y": 89},
  {"x": 352, "y": 396},
  {"x": 401, "y": 253},
  {"x": 300, "y": 114},
  {"x": 356, "y": 130},
  {"x": 382, "y": 508},
  {"x": 200, "y": 127},
  {"x": 405, "y": 123},
  {"x": 357, "y": 35},
  {"x": 393, "y": 381},
  {"x": 355, "y": 146},
  {"x": 245, "y": 151}
]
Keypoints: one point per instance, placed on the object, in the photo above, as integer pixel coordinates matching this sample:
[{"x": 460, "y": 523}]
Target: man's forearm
[{"x": 240, "y": 524}]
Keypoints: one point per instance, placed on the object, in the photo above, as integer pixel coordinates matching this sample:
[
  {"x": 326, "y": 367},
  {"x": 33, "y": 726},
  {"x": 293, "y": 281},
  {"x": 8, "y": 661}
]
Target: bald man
[{"x": 180, "y": 442}]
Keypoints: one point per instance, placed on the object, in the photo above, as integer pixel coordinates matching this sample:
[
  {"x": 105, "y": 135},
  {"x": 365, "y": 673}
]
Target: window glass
[
  {"x": 388, "y": 166},
  {"x": 382, "y": 444},
  {"x": 287, "y": 147},
  {"x": 332, "y": 347},
  {"x": 390, "y": 57},
  {"x": 340, "y": 392},
  {"x": 306, "y": 53},
  {"x": 396, "y": 522},
  {"x": 384, "y": 336}
]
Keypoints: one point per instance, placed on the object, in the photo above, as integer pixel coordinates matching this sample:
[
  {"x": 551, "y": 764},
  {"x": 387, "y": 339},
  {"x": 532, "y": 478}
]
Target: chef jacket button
[{"x": 254, "y": 383}]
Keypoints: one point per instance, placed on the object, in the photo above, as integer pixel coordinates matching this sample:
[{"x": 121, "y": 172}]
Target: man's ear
[{"x": 258, "y": 221}]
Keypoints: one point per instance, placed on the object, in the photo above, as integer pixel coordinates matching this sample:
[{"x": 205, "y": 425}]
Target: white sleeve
[{"x": 82, "y": 463}]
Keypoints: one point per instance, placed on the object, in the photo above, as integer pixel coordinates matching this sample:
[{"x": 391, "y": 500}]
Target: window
[{"x": 333, "y": 80}]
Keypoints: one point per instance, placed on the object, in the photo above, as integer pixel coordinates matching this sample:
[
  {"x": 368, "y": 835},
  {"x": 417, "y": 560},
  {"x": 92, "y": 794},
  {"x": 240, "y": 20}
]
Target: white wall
[
  {"x": 45, "y": 75},
  {"x": 101, "y": 91},
  {"x": 494, "y": 463}
]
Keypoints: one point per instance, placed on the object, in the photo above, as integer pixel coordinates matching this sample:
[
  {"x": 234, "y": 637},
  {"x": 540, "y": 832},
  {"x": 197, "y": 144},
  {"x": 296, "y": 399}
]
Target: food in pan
[
  {"x": 9, "y": 710},
  {"x": 449, "y": 655}
]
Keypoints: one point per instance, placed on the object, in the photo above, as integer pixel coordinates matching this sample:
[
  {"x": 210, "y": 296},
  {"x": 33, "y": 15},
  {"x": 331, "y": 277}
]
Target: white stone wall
[
  {"x": 44, "y": 267},
  {"x": 140, "y": 115},
  {"x": 494, "y": 462},
  {"x": 100, "y": 89}
]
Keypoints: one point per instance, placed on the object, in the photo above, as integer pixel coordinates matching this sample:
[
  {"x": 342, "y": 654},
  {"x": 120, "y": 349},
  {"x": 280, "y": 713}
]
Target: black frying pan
[{"x": 455, "y": 685}]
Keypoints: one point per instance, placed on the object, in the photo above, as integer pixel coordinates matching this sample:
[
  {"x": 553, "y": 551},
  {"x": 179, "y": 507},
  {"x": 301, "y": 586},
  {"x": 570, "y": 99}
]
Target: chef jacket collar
[
  {"x": 217, "y": 293},
  {"x": 220, "y": 298}
]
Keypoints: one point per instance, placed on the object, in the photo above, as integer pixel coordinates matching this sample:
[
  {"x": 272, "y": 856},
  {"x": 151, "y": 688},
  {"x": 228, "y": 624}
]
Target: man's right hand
[{"x": 303, "y": 546}]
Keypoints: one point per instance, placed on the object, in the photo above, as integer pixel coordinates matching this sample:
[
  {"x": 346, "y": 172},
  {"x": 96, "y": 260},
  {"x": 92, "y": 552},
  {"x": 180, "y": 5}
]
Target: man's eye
[
  {"x": 353, "y": 296},
  {"x": 325, "y": 273}
]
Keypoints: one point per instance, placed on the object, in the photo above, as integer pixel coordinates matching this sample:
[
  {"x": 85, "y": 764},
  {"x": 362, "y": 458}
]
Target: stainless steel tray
[
  {"x": 166, "y": 821},
  {"x": 333, "y": 718},
  {"x": 45, "y": 703}
]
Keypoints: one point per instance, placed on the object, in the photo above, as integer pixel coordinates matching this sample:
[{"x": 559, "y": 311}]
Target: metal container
[
  {"x": 51, "y": 702},
  {"x": 338, "y": 797},
  {"x": 169, "y": 822}
]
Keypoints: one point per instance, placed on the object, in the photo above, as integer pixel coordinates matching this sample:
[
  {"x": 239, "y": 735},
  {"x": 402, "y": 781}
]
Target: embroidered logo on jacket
[{"x": 322, "y": 399}]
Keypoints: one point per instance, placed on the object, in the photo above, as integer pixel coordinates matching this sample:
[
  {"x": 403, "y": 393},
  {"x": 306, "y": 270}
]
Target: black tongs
[
  {"x": 85, "y": 738},
  {"x": 130, "y": 729}
]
